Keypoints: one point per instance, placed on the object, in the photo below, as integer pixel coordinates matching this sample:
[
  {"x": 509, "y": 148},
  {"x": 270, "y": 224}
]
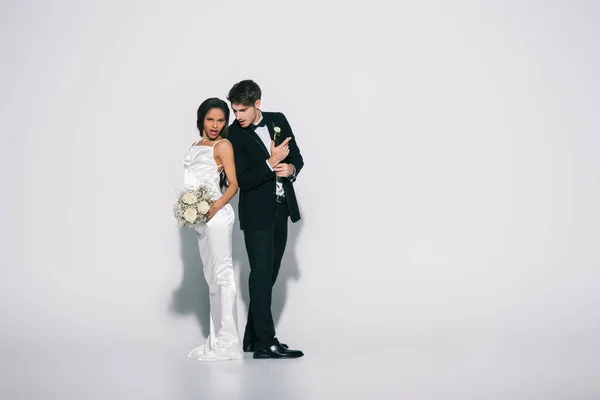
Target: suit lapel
[
  {"x": 257, "y": 139},
  {"x": 269, "y": 124}
]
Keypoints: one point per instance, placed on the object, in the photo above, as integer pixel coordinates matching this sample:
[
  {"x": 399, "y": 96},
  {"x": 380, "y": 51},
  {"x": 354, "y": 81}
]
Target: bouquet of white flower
[{"x": 192, "y": 206}]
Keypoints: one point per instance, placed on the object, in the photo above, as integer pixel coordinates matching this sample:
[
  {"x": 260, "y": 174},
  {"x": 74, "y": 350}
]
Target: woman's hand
[{"x": 217, "y": 205}]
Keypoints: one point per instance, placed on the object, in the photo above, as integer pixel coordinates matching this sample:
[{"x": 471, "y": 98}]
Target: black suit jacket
[{"x": 257, "y": 183}]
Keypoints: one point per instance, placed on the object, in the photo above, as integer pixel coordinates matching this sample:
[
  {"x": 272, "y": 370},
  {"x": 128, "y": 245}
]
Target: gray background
[{"x": 450, "y": 197}]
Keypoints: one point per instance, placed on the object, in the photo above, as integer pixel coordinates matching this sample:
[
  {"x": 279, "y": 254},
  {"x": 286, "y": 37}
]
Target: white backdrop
[{"x": 450, "y": 192}]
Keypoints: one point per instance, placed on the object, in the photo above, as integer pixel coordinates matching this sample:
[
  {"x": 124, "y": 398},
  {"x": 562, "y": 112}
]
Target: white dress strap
[
  {"x": 215, "y": 145},
  {"x": 219, "y": 141}
]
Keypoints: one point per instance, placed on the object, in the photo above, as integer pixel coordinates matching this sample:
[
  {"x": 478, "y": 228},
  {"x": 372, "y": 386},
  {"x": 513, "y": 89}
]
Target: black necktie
[{"x": 261, "y": 123}]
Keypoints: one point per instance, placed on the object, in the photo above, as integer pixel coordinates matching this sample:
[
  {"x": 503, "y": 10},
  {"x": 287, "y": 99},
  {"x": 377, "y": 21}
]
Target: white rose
[
  {"x": 190, "y": 214},
  {"x": 203, "y": 207},
  {"x": 277, "y": 129},
  {"x": 189, "y": 198}
]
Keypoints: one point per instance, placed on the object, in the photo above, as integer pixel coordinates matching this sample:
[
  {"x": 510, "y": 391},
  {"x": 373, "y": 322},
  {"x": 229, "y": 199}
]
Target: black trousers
[{"x": 265, "y": 251}]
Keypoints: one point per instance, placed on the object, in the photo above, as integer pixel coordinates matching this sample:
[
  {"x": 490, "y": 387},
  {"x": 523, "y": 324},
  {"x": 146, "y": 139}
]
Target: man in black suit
[{"x": 267, "y": 162}]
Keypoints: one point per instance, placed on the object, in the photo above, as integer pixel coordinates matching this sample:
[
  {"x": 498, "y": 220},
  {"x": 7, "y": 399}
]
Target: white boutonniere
[{"x": 277, "y": 131}]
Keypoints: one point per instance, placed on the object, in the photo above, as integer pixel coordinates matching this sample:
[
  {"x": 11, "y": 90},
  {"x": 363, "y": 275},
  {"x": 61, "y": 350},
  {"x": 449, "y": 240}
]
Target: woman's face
[{"x": 214, "y": 121}]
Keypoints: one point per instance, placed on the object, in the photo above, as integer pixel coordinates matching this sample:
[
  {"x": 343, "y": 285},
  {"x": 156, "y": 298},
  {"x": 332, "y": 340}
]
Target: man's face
[{"x": 246, "y": 115}]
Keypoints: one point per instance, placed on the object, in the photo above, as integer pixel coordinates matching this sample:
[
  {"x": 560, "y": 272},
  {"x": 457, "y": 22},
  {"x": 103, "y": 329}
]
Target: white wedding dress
[{"x": 214, "y": 242}]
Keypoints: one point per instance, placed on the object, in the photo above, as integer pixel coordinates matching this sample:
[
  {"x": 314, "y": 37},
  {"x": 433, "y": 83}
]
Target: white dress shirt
[{"x": 263, "y": 134}]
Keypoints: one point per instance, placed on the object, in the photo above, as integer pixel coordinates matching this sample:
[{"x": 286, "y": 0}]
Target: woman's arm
[{"x": 224, "y": 153}]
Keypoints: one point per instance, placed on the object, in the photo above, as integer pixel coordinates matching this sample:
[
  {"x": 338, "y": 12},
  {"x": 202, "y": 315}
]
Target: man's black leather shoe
[
  {"x": 277, "y": 351},
  {"x": 249, "y": 348}
]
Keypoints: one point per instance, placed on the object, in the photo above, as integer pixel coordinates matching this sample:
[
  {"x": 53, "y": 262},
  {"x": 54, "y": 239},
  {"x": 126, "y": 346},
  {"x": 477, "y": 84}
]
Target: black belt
[{"x": 280, "y": 199}]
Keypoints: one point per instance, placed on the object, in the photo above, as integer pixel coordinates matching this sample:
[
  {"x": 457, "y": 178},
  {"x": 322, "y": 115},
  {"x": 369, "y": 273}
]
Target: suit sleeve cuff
[
  {"x": 269, "y": 165},
  {"x": 292, "y": 177}
]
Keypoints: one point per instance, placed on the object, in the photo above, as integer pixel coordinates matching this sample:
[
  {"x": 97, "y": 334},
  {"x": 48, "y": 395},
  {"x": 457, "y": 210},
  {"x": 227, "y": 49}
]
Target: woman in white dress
[{"x": 210, "y": 162}]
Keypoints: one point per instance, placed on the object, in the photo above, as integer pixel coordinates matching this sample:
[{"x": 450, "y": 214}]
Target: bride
[{"x": 210, "y": 162}]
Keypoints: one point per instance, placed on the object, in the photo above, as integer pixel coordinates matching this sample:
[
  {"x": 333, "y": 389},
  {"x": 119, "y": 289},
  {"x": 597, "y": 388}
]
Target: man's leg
[
  {"x": 279, "y": 241},
  {"x": 249, "y": 336},
  {"x": 279, "y": 237},
  {"x": 259, "y": 245}
]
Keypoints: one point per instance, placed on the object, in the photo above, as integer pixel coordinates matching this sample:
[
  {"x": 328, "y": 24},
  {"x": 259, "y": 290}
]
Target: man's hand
[
  {"x": 279, "y": 153},
  {"x": 284, "y": 170}
]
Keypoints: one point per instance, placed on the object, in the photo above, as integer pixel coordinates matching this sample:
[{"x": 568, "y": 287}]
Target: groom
[{"x": 267, "y": 162}]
